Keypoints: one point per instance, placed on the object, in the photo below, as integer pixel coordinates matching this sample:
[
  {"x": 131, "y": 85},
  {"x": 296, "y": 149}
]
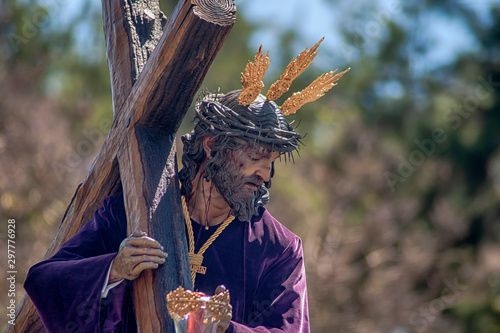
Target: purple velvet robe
[{"x": 260, "y": 262}]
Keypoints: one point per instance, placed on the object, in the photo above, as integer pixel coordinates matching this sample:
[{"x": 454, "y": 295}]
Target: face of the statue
[{"x": 241, "y": 182}]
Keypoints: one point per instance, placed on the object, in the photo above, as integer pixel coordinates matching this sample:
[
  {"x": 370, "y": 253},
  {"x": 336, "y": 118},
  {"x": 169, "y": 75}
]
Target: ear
[{"x": 208, "y": 145}]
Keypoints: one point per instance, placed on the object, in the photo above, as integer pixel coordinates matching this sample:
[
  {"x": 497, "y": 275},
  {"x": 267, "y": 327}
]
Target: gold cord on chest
[{"x": 196, "y": 259}]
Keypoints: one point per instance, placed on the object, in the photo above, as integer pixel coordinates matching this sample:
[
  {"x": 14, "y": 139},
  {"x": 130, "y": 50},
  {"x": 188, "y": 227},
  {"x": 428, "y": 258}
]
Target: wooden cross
[{"x": 155, "y": 70}]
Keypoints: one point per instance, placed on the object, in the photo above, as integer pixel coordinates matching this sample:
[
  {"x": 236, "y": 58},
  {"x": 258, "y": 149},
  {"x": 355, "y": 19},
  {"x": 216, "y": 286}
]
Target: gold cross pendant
[{"x": 198, "y": 269}]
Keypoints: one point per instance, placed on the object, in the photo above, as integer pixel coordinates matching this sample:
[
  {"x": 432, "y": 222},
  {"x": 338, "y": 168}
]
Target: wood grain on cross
[{"x": 155, "y": 73}]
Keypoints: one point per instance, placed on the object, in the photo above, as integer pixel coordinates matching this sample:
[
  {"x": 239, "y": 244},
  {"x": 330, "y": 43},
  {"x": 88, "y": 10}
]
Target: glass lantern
[{"x": 194, "y": 312}]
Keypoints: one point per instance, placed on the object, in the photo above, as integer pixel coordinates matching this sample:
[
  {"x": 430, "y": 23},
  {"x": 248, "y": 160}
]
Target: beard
[{"x": 243, "y": 194}]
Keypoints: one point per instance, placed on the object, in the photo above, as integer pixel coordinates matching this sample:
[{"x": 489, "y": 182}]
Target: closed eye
[{"x": 253, "y": 158}]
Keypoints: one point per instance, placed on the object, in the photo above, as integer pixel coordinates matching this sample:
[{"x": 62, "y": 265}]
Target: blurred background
[{"x": 396, "y": 192}]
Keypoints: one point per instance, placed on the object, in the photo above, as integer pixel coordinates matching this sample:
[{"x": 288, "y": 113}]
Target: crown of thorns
[
  {"x": 256, "y": 117},
  {"x": 261, "y": 122}
]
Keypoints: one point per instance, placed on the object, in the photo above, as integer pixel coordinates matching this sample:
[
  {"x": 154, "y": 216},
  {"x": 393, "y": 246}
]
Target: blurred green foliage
[{"x": 395, "y": 195}]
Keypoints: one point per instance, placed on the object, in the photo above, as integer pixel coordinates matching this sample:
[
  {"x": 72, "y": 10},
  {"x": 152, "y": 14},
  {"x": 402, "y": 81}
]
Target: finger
[
  {"x": 132, "y": 269},
  {"x": 136, "y": 241},
  {"x": 146, "y": 258},
  {"x": 131, "y": 262},
  {"x": 135, "y": 235},
  {"x": 143, "y": 241},
  {"x": 130, "y": 251},
  {"x": 142, "y": 266}
]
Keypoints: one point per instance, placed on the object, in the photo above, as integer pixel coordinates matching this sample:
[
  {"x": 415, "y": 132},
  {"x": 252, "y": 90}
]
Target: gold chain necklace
[{"x": 196, "y": 259}]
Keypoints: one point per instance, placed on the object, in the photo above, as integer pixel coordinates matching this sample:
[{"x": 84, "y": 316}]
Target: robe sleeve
[
  {"x": 66, "y": 289},
  {"x": 280, "y": 303}
]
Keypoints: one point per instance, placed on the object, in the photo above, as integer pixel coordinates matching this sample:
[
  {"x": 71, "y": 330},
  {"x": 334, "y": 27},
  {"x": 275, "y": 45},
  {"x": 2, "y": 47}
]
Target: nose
[{"x": 264, "y": 171}]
